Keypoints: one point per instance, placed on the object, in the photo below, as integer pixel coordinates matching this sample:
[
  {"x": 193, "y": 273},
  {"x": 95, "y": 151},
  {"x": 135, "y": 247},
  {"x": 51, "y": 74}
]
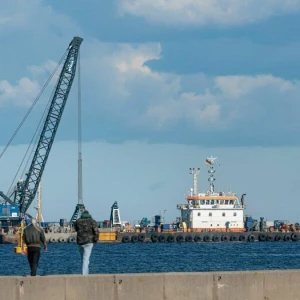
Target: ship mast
[
  {"x": 195, "y": 172},
  {"x": 210, "y": 161}
]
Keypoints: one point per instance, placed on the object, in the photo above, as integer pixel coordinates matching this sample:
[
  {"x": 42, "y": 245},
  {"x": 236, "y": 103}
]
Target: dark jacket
[
  {"x": 87, "y": 230},
  {"x": 34, "y": 236}
]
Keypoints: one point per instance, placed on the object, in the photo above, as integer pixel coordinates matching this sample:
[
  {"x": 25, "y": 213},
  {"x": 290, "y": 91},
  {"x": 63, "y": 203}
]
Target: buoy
[{"x": 21, "y": 248}]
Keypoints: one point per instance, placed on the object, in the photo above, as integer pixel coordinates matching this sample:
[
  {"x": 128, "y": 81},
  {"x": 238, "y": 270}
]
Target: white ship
[{"x": 212, "y": 211}]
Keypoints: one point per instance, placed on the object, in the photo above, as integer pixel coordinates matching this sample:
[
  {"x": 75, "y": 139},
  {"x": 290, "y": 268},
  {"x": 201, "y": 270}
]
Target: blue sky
[{"x": 164, "y": 84}]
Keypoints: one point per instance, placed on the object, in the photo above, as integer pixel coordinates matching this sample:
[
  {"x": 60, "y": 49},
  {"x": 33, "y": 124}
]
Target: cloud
[
  {"x": 130, "y": 97},
  {"x": 24, "y": 15},
  {"x": 26, "y": 89},
  {"x": 207, "y": 12},
  {"x": 20, "y": 94},
  {"x": 131, "y": 101},
  {"x": 157, "y": 101}
]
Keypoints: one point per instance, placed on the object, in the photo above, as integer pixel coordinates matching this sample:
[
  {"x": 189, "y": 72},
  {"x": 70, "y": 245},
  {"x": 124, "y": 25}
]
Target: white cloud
[
  {"x": 141, "y": 98},
  {"x": 207, "y": 12},
  {"x": 118, "y": 83},
  {"x": 20, "y": 94},
  {"x": 238, "y": 86},
  {"x": 121, "y": 88},
  {"x": 26, "y": 89},
  {"x": 35, "y": 15}
]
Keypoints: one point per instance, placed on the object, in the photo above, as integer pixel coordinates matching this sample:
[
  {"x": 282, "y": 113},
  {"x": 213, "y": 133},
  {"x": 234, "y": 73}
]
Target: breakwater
[{"x": 252, "y": 285}]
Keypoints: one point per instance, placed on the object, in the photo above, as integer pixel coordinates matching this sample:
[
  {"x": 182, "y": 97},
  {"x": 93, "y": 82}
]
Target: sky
[{"x": 164, "y": 85}]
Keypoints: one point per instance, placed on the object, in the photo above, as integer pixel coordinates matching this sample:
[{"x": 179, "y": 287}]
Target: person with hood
[
  {"x": 33, "y": 237},
  {"x": 87, "y": 234}
]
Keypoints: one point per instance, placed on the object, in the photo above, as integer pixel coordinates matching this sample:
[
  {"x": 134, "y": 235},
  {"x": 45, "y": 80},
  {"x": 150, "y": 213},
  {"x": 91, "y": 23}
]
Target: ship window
[
  {"x": 221, "y": 201},
  {"x": 202, "y": 202},
  {"x": 234, "y": 214},
  {"x": 231, "y": 201},
  {"x": 217, "y": 201},
  {"x": 212, "y": 202},
  {"x": 210, "y": 214},
  {"x": 199, "y": 214},
  {"x": 226, "y": 201},
  {"x": 223, "y": 214},
  {"x": 207, "y": 201}
]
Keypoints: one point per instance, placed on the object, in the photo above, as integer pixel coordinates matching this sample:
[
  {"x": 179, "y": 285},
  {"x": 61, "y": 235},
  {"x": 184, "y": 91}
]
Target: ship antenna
[
  {"x": 195, "y": 172},
  {"x": 210, "y": 161}
]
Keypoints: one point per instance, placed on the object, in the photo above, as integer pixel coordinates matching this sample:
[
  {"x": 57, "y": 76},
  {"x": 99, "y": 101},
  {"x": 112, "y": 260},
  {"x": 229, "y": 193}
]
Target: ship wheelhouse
[{"x": 212, "y": 211}]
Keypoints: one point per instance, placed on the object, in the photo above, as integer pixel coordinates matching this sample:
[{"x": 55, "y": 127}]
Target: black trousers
[{"x": 33, "y": 258}]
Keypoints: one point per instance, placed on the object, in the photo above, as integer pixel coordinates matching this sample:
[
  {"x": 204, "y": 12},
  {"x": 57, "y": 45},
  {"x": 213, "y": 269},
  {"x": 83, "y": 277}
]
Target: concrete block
[
  {"x": 238, "y": 286},
  {"x": 252, "y": 285},
  {"x": 41, "y": 288},
  {"x": 188, "y": 286},
  {"x": 9, "y": 288},
  {"x": 282, "y": 285},
  {"x": 91, "y": 287},
  {"x": 139, "y": 286}
]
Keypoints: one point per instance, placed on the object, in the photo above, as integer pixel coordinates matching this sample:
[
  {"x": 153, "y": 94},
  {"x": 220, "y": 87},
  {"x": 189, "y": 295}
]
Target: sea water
[{"x": 158, "y": 257}]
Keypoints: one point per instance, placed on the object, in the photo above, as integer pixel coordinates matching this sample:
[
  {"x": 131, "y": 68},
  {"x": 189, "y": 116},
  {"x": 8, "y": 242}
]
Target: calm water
[{"x": 154, "y": 257}]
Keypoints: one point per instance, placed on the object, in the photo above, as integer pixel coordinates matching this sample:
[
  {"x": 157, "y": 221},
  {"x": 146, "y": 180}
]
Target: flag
[{"x": 208, "y": 162}]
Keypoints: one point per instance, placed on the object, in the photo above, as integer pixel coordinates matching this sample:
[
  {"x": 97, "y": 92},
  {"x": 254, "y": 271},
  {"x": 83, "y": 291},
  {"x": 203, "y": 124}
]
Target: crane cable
[
  {"x": 37, "y": 133},
  {"x": 31, "y": 144},
  {"x": 39, "y": 128},
  {"x": 32, "y": 106}
]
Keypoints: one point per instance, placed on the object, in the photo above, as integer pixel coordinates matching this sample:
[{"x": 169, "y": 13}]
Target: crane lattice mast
[{"x": 27, "y": 188}]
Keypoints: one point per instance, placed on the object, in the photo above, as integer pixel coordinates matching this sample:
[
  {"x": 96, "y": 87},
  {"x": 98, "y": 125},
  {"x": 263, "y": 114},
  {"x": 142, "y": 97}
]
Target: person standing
[
  {"x": 33, "y": 237},
  {"x": 87, "y": 234}
]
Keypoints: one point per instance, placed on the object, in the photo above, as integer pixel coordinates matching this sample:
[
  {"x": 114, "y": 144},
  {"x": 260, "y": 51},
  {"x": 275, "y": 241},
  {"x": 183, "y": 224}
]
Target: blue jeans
[{"x": 85, "y": 253}]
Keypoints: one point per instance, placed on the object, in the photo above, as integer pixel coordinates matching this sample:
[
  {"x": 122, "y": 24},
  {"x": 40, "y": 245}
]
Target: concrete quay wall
[{"x": 252, "y": 285}]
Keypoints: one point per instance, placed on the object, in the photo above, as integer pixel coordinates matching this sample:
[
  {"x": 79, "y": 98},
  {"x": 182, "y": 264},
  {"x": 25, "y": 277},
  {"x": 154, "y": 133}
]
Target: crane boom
[{"x": 26, "y": 190}]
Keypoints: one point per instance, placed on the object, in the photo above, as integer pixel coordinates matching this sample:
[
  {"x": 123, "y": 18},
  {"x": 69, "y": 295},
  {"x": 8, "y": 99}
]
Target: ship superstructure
[{"x": 211, "y": 210}]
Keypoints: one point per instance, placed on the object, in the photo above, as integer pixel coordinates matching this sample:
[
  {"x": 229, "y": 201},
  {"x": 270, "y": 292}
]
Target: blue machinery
[{"x": 25, "y": 190}]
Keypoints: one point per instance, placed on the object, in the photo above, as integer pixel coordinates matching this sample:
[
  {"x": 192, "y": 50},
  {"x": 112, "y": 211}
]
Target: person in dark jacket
[
  {"x": 87, "y": 235},
  {"x": 33, "y": 237}
]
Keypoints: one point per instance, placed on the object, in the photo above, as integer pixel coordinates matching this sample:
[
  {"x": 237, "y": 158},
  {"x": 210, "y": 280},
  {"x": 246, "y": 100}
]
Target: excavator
[{"x": 25, "y": 190}]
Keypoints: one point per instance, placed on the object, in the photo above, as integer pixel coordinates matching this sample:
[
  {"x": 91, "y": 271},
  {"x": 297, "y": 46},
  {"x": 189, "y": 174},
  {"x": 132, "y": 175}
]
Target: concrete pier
[{"x": 253, "y": 285}]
